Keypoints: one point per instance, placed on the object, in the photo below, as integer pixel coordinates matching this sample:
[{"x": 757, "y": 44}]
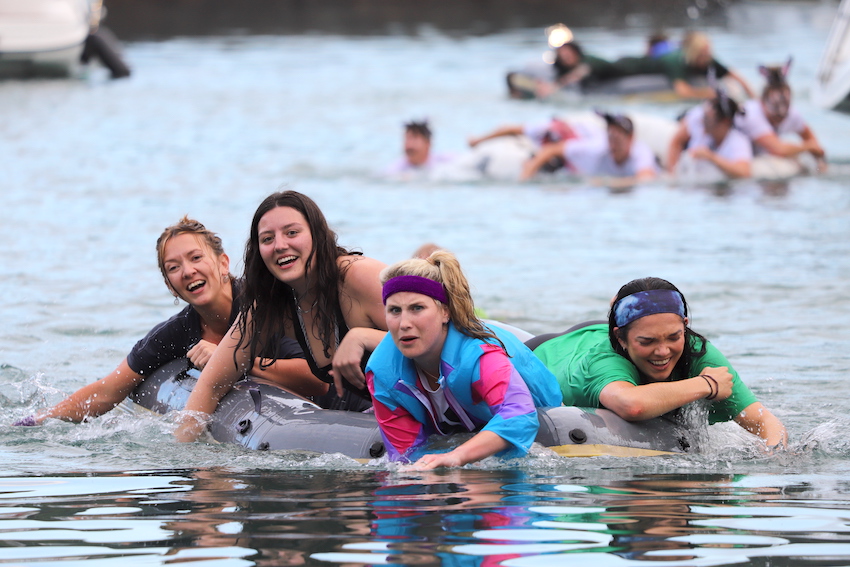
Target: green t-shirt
[{"x": 584, "y": 363}]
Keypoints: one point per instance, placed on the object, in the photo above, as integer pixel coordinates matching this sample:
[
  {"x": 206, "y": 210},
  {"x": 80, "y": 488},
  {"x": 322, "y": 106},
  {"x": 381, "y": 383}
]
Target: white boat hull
[
  {"x": 42, "y": 36},
  {"x": 832, "y": 85}
]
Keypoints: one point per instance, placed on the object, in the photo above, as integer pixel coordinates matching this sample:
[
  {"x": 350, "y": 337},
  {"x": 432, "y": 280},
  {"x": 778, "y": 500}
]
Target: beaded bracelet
[{"x": 713, "y": 386}]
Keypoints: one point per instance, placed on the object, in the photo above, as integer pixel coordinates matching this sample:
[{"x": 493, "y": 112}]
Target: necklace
[
  {"x": 430, "y": 376},
  {"x": 298, "y": 303}
]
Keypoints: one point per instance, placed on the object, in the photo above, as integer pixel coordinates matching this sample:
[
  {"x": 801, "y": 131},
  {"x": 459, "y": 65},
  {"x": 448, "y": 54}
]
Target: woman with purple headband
[
  {"x": 441, "y": 371},
  {"x": 647, "y": 362}
]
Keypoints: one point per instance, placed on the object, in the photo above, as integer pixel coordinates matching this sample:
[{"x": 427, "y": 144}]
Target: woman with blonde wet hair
[
  {"x": 441, "y": 370},
  {"x": 196, "y": 270},
  {"x": 691, "y": 69}
]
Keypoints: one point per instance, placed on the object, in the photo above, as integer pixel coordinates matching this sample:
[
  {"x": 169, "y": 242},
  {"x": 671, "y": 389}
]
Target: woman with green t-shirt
[{"x": 647, "y": 362}]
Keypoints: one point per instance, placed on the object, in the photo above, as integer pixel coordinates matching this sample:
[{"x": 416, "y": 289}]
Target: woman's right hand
[
  {"x": 227, "y": 364},
  {"x": 722, "y": 377}
]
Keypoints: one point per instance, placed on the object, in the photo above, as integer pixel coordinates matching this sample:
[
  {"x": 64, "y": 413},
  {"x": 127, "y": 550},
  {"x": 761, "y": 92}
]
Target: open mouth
[
  {"x": 660, "y": 363},
  {"x": 407, "y": 340},
  {"x": 196, "y": 285},
  {"x": 286, "y": 260}
]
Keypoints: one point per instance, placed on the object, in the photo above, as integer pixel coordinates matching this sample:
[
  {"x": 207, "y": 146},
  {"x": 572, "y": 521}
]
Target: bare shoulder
[
  {"x": 360, "y": 291},
  {"x": 360, "y": 273}
]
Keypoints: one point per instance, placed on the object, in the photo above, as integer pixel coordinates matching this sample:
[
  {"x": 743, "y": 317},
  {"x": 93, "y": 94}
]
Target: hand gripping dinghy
[{"x": 259, "y": 415}]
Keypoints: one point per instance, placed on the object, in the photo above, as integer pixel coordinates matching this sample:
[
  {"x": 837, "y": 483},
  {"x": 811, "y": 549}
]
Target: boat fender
[{"x": 103, "y": 44}]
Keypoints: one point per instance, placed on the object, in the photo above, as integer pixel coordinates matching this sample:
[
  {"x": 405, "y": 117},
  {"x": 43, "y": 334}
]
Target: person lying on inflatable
[
  {"x": 617, "y": 156},
  {"x": 196, "y": 270},
  {"x": 714, "y": 148},
  {"x": 767, "y": 120},
  {"x": 441, "y": 371},
  {"x": 647, "y": 362},
  {"x": 419, "y": 160}
]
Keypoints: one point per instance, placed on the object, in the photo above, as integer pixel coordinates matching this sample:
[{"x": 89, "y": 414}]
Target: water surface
[{"x": 93, "y": 170}]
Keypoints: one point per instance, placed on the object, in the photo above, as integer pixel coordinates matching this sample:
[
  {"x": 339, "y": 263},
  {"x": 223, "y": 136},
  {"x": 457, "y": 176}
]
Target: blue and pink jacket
[{"x": 487, "y": 390}]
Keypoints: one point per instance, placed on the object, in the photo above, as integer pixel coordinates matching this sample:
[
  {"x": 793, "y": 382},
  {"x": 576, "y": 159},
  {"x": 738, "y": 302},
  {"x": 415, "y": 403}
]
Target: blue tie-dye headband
[{"x": 645, "y": 303}]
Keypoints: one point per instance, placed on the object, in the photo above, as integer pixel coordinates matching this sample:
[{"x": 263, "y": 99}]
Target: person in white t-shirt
[
  {"x": 539, "y": 133},
  {"x": 618, "y": 155},
  {"x": 768, "y": 120},
  {"x": 418, "y": 158},
  {"x": 708, "y": 134},
  {"x": 542, "y": 134}
]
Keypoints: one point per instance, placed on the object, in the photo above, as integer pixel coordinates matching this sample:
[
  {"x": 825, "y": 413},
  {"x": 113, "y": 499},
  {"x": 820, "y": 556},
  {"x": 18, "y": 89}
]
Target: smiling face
[
  {"x": 417, "y": 324},
  {"x": 285, "y": 244},
  {"x": 193, "y": 271},
  {"x": 655, "y": 344}
]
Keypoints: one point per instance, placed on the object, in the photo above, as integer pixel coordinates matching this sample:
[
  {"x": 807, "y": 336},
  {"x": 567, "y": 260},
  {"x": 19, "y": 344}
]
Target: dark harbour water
[{"x": 92, "y": 170}]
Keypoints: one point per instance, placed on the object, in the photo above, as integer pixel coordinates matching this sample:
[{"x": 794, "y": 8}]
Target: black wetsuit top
[
  {"x": 353, "y": 399},
  {"x": 173, "y": 338}
]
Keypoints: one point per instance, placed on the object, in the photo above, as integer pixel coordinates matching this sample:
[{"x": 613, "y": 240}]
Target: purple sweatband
[
  {"x": 645, "y": 303},
  {"x": 415, "y": 284}
]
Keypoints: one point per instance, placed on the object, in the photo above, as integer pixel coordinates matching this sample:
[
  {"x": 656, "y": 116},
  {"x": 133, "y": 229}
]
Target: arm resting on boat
[
  {"x": 546, "y": 153},
  {"x": 735, "y": 169},
  {"x": 637, "y": 403},
  {"x": 779, "y": 147},
  {"x": 497, "y": 133},
  {"x": 215, "y": 381}
]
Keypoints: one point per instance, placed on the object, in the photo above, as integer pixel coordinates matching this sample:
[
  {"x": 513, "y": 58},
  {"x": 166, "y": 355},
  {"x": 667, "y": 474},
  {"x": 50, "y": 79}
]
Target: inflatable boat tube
[
  {"x": 522, "y": 84},
  {"x": 259, "y": 415}
]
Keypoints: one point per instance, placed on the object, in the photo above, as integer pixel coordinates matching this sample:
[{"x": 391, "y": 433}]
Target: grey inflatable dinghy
[{"x": 259, "y": 415}]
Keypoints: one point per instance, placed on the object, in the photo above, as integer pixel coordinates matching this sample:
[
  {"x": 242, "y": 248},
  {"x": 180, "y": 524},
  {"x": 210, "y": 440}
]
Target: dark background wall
[{"x": 158, "y": 19}]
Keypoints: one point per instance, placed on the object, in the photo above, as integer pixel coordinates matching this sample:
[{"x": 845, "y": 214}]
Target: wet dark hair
[
  {"x": 694, "y": 342},
  {"x": 725, "y": 107},
  {"x": 574, "y": 45},
  {"x": 621, "y": 121},
  {"x": 560, "y": 67},
  {"x": 268, "y": 301},
  {"x": 418, "y": 128}
]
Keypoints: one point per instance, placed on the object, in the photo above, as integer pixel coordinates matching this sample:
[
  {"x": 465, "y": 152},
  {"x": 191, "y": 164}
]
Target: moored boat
[
  {"x": 54, "y": 38},
  {"x": 832, "y": 84}
]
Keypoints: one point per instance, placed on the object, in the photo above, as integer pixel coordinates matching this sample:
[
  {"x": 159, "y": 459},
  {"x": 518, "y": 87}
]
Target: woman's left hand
[
  {"x": 347, "y": 359},
  {"x": 201, "y": 353}
]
